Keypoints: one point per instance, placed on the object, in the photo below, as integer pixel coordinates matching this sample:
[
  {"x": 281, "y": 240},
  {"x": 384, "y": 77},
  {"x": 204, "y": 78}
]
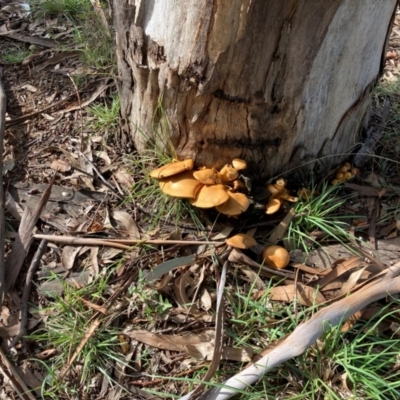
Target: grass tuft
[
  {"x": 66, "y": 325},
  {"x": 15, "y": 54},
  {"x": 318, "y": 213},
  {"x": 71, "y": 9}
]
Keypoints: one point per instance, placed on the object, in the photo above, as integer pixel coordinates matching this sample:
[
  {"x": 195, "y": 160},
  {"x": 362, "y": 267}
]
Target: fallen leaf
[
  {"x": 126, "y": 224},
  {"x": 168, "y": 266},
  {"x": 340, "y": 269},
  {"x": 61, "y": 165},
  {"x": 306, "y": 295},
  {"x": 123, "y": 177},
  {"x": 104, "y": 156},
  {"x": 205, "y": 299},
  {"x": 68, "y": 256}
]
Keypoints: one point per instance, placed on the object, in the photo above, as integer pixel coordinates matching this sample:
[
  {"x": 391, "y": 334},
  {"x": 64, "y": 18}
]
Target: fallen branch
[
  {"x": 125, "y": 244},
  {"x": 306, "y": 334},
  {"x": 24, "y": 239},
  {"x": 27, "y": 290},
  {"x": 2, "y": 225}
]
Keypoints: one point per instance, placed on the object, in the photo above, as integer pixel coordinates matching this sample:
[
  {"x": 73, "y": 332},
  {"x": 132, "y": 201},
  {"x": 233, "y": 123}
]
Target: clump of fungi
[
  {"x": 278, "y": 194},
  {"x": 206, "y": 187},
  {"x": 344, "y": 173}
]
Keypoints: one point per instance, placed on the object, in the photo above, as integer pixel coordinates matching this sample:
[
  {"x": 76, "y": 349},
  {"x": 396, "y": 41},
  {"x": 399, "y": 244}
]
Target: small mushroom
[
  {"x": 210, "y": 196},
  {"x": 207, "y": 176},
  {"x": 239, "y": 164},
  {"x": 277, "y": 187},
  {"x": 347, "y": 165},
  {"x": 228, "y": 173},
  {"x": 241, "y": 241},
  {"x": 171, "y": 169},
  {"x": 339, "y": 176},
  {"x": 237, "y": 204},
  {"x": 182, "y": 185},
  {"x": 348, "y": 175},
  {"x": 273, "y": 205},
  {"x": 276, "y": 257}
]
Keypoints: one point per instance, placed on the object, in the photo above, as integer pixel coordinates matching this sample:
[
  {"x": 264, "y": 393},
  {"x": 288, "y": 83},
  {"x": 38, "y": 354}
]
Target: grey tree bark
[{"x": 277, "y": 83}]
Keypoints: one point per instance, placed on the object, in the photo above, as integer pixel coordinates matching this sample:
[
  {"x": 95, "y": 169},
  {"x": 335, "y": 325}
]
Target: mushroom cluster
[
  {"x": 278, "y": 194},
  {"x": 344, "y": 173},
  {"x": 206, "y": 187}
]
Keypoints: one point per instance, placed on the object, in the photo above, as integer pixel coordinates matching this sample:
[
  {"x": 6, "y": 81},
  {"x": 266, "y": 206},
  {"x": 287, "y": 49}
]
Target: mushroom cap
[
  {"x": 207, "y": 176},
  {"x": 239, "y": 164},
  {"x": 171, "y": 169},
  {"x": 237, "y": 203},
  {"x": 273, "y": 206},
  {"x": 277, "y": 187},
  {"x": 210, "y": 196},
  {"x": 241, "y": 241},
  {"x": 228, "y": 173},
  {"x": 347, "y": 165},
  {"x": 339, "y": 175},
  {"x": 182, "y": 185},
  {"x": 276, "y": 256},
  {"x": 348, "y": 175}
]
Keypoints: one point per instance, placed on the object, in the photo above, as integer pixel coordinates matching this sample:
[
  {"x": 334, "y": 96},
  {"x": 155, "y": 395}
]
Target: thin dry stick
[
  {"x": 2, "y": 222},
  {"x": 27, "y": 290},
  {"x": 119, "y": 243},
  {"x": 306, "y": 334}
]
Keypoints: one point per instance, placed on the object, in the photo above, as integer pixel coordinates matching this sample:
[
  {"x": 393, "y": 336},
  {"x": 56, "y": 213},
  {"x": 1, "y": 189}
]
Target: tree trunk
[{"x": 277, "y": 83}]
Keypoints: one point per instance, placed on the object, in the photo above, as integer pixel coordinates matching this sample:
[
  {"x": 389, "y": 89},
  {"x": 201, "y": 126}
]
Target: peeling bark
[{"x": 277, "y": 83}]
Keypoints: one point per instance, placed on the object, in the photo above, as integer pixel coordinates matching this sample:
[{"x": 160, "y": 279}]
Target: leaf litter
[{"x": 165, "y": 296}]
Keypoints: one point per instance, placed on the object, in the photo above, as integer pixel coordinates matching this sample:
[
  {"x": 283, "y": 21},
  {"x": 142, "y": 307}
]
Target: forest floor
[{"x": 117, "y": 316}]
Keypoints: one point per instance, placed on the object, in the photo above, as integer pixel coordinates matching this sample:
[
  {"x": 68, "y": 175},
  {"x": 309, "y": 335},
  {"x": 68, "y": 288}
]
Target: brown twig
[
  {"x": 2, "y": 225},
  {"x": 120, "y": 243},
  {"x": 27, "y": 290}
]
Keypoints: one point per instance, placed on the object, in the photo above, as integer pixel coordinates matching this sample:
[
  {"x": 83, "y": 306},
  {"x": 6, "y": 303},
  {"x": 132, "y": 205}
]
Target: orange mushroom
[
  {"x": 273, "y": 205},
  {"x": 210, "y": 196},
  {"x": 241, "y": 241},
  {"x": 172, "y": 169},
  {"x": 237, "y": 204},
  {"x": 228, "y": 173},
  {"x": 239, "y": 164},
  {"x": 207, "y": 176},
  {"x": 182, "y": 185},
  {"x": 276, "y": 257}
]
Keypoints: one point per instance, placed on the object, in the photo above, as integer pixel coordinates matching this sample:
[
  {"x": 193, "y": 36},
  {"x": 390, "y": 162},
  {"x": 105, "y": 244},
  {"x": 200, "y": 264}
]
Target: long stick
[{"x": 119, "y": 243}]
